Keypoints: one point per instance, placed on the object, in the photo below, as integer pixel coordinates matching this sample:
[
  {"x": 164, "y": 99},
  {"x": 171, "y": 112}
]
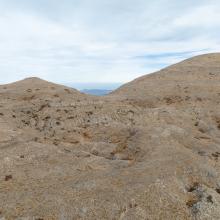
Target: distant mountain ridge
[{"x": 98, "y": 92}]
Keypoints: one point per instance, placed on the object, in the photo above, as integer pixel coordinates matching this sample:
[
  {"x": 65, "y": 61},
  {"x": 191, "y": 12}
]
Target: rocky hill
[{"x": 149, "y": 150}]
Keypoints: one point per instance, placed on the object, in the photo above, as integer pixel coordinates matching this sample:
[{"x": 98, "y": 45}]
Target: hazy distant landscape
[
  {"x": 98, "y": 89},
  {"x": 98, "y": 92}
]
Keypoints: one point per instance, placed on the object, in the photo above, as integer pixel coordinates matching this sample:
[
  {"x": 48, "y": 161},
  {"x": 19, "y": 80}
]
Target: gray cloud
[{"x": 104, "y": 41}]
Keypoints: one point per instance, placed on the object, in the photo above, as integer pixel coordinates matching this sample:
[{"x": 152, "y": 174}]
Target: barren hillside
[{"x": 150, "y": 150}]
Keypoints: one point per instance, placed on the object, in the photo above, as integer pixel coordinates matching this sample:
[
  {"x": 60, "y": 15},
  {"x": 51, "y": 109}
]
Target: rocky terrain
[{"x": 149, "y": 150}]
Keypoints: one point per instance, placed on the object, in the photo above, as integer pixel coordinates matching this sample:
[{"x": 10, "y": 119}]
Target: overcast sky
[{"x": 102, "y": 40}]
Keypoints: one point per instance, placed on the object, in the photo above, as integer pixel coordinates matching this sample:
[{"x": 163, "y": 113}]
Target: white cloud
[
  {"x": 86, "y": 41},
  {"x": 206, "y": 16}
]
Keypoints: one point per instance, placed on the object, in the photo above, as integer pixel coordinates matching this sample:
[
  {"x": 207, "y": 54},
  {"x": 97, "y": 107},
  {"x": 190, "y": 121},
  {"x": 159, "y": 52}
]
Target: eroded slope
[{"x": 148, "y": 151}]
